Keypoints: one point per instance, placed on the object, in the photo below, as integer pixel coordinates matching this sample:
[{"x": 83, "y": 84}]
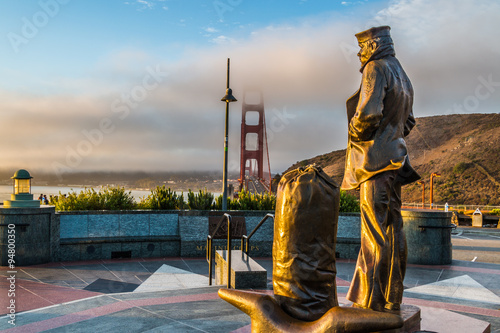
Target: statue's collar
[{"x": 380, "y": 52}]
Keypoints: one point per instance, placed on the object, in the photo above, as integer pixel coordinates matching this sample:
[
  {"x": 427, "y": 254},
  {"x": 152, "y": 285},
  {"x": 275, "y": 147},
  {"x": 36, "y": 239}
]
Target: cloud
[
  {"x": 306, "y": 71},
  {"x": 146, "y": 4},
  {"x": 351, "y": 3},
  {"x": 211, "y": 30},
  {"x": 447, "y": 48},
  {"x": 223, "y": 40}
]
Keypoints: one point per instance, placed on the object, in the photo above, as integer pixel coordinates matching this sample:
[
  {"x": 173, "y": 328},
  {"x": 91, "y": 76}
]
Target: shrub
[
  {"x": 495, "y": 211},
  {"x": 266, "y": 201},
  {"x": 348, "y": 203},
  {"x": 248, "y": 201},
  {"x": 460, "y": 167},
  {"x": 116, "y": 198},
  {"x": 108, "y": 198},
  {"x": 232, "y": 204},
  {"x": 202, "y": 200},
  {"x": 255, "y": 201},
  {"x": 162, "y": 198},
  {"x": 111, "y": 198}
]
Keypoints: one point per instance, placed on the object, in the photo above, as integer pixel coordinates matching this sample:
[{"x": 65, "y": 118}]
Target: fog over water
[{"x": 6, "y": 191}]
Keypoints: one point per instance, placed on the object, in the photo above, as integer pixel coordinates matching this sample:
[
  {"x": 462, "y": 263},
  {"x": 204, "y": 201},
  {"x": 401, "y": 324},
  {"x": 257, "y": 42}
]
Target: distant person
[
  {"x": 45, "y": 200},
  {"x": 379, "y": 116},
  {"x": 40, "y": 198}
]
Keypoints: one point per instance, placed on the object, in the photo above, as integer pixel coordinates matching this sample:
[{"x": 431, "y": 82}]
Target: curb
[{"x": 476, "y": 230}]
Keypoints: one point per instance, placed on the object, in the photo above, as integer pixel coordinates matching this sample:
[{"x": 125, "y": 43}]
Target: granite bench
[{"x": 246, "y": 273}]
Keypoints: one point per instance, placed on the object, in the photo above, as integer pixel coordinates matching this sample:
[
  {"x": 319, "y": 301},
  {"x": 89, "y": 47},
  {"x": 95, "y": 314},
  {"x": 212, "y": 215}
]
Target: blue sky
[
  {"x": 136, "y": 85},
  {"x": 78, "y": 36}
]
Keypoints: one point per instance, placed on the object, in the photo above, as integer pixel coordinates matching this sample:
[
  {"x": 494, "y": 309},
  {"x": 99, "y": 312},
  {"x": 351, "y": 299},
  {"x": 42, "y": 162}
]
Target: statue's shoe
[{"x": 267, "y": 316}]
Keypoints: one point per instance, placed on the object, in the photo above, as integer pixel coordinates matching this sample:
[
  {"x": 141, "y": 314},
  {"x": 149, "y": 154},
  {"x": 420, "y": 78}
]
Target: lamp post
[
  {"x": 432, "y": 186},
  {"x": 423, "y": 192},
  {"x": 21, "y": 197},
  {"x": 228, "y": 98}
]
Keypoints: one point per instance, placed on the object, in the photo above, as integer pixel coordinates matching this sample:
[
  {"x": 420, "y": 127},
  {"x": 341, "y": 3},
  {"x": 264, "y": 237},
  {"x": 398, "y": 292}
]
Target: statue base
[
  {"x": 411, "y": 317},
  {"x": 267, "y": 316}
]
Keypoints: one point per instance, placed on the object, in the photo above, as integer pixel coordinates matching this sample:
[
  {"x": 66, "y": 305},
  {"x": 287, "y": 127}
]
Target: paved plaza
[{"x": 173, "y": 295}]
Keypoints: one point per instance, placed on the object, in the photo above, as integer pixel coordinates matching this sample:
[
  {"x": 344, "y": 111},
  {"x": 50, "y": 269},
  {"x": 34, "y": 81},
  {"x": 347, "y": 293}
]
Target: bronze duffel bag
[{"x": 305, "y": 232}]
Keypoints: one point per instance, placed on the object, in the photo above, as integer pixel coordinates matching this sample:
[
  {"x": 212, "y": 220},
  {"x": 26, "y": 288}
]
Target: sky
[{"x": 136, "y": 85}]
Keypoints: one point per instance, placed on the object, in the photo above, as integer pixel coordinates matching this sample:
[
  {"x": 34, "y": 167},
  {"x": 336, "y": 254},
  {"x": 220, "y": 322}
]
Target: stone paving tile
[
  {"x": 126, "y": 272},
  {"x": 168, "y": 277},
  {"x": 450, "y": 302},
  {"x": 36, "y": 317},
  {"x": 462, "y": 287},
  {"x": 152, "y": 266},
  {"x": 173, "y": 311},
  {"x": 39, "y": 274},
  {"x": 494, "y": 321},
  {"x": 111, "y": 286},
  {"x": 129, "y": 320},
  {"x": 204, "y": 315},
  {"x": 179, "y": 293},
  {"x": 85, "y": 273},
  {"x": 33, "y": 295},
  {"x": 187, "y": 266}
]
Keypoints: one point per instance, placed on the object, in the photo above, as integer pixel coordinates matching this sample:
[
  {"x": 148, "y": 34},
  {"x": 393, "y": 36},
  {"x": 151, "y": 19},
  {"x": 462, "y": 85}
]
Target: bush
[
  {"x": 162, "y": 198},
  {"x": 253, "y": 201},
  {"x": 348, "y": 203},
  {"x": 202, "y": 200},
  {"x": 231, "y": 204},
  {"x": 248, "y": 201},
  {"x": 460, "y": 167},
  {"x": 266, "y": 201},
  {"x": 108, "y": 198},
  {"x": 495, "y": 211}
]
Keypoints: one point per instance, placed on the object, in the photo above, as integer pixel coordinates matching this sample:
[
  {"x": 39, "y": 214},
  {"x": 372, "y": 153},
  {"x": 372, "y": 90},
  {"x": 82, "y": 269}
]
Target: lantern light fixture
[{"x": 21, "y": 196}]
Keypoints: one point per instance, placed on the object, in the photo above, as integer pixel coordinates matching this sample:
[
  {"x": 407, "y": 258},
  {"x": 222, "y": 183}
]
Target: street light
[
  {"x": 432, "y": 186},
  {"x": 423, "y": 192},
  {"x": 228, "y": 98}
]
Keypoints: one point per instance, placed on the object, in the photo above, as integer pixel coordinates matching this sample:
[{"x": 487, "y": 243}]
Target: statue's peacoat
[{"x": 379, "y": 119}]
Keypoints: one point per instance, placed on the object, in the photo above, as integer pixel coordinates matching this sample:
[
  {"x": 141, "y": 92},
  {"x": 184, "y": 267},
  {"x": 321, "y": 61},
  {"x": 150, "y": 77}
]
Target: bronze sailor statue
[
  {"x": 305, "y": 300},
  {"x": 379, "y": 116}
]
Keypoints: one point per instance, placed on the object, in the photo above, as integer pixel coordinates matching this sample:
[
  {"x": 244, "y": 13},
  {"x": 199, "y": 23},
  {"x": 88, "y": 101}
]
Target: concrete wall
[
  {"x": 114, "y": 234},
  {"x": 95, "y": 235},
  {"x": 348, "y": 236},
  {"x": 43, "y": 235},
  {"x": 34, "y": 236}
]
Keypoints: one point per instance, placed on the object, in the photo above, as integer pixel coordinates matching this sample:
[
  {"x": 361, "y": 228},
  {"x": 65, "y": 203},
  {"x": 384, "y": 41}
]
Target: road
[
  {"x": 476, "y": 247},
  {"x": 255, "y": 186}
]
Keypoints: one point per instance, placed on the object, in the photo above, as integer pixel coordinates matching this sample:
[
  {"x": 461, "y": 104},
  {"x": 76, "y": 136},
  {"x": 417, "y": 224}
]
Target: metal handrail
[
  {"x": 245, "y": 240},
  {"x": 451, "y": 206},
  {"x": 210, "y": 254}
]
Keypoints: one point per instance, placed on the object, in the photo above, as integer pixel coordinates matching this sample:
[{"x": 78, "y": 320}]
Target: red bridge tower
[{"x": 253, "y": 143}]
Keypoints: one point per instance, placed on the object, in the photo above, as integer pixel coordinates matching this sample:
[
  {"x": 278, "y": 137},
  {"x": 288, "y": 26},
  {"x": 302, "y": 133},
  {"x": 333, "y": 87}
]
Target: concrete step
[{"x": 245, "y": 272}]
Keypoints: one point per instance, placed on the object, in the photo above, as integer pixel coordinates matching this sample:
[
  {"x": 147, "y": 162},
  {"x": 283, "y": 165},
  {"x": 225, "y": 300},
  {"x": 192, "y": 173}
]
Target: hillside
[{"x": 464, "y": 149}]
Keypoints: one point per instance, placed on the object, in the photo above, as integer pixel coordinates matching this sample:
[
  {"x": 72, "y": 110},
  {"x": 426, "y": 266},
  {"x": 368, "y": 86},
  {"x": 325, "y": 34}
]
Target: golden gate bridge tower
[{"x": 255, "y": 169}]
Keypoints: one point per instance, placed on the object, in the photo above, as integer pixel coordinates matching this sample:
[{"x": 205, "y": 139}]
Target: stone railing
[
  {"x": 87, "y": 235},
  {"x": 111, "y": 234}
]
